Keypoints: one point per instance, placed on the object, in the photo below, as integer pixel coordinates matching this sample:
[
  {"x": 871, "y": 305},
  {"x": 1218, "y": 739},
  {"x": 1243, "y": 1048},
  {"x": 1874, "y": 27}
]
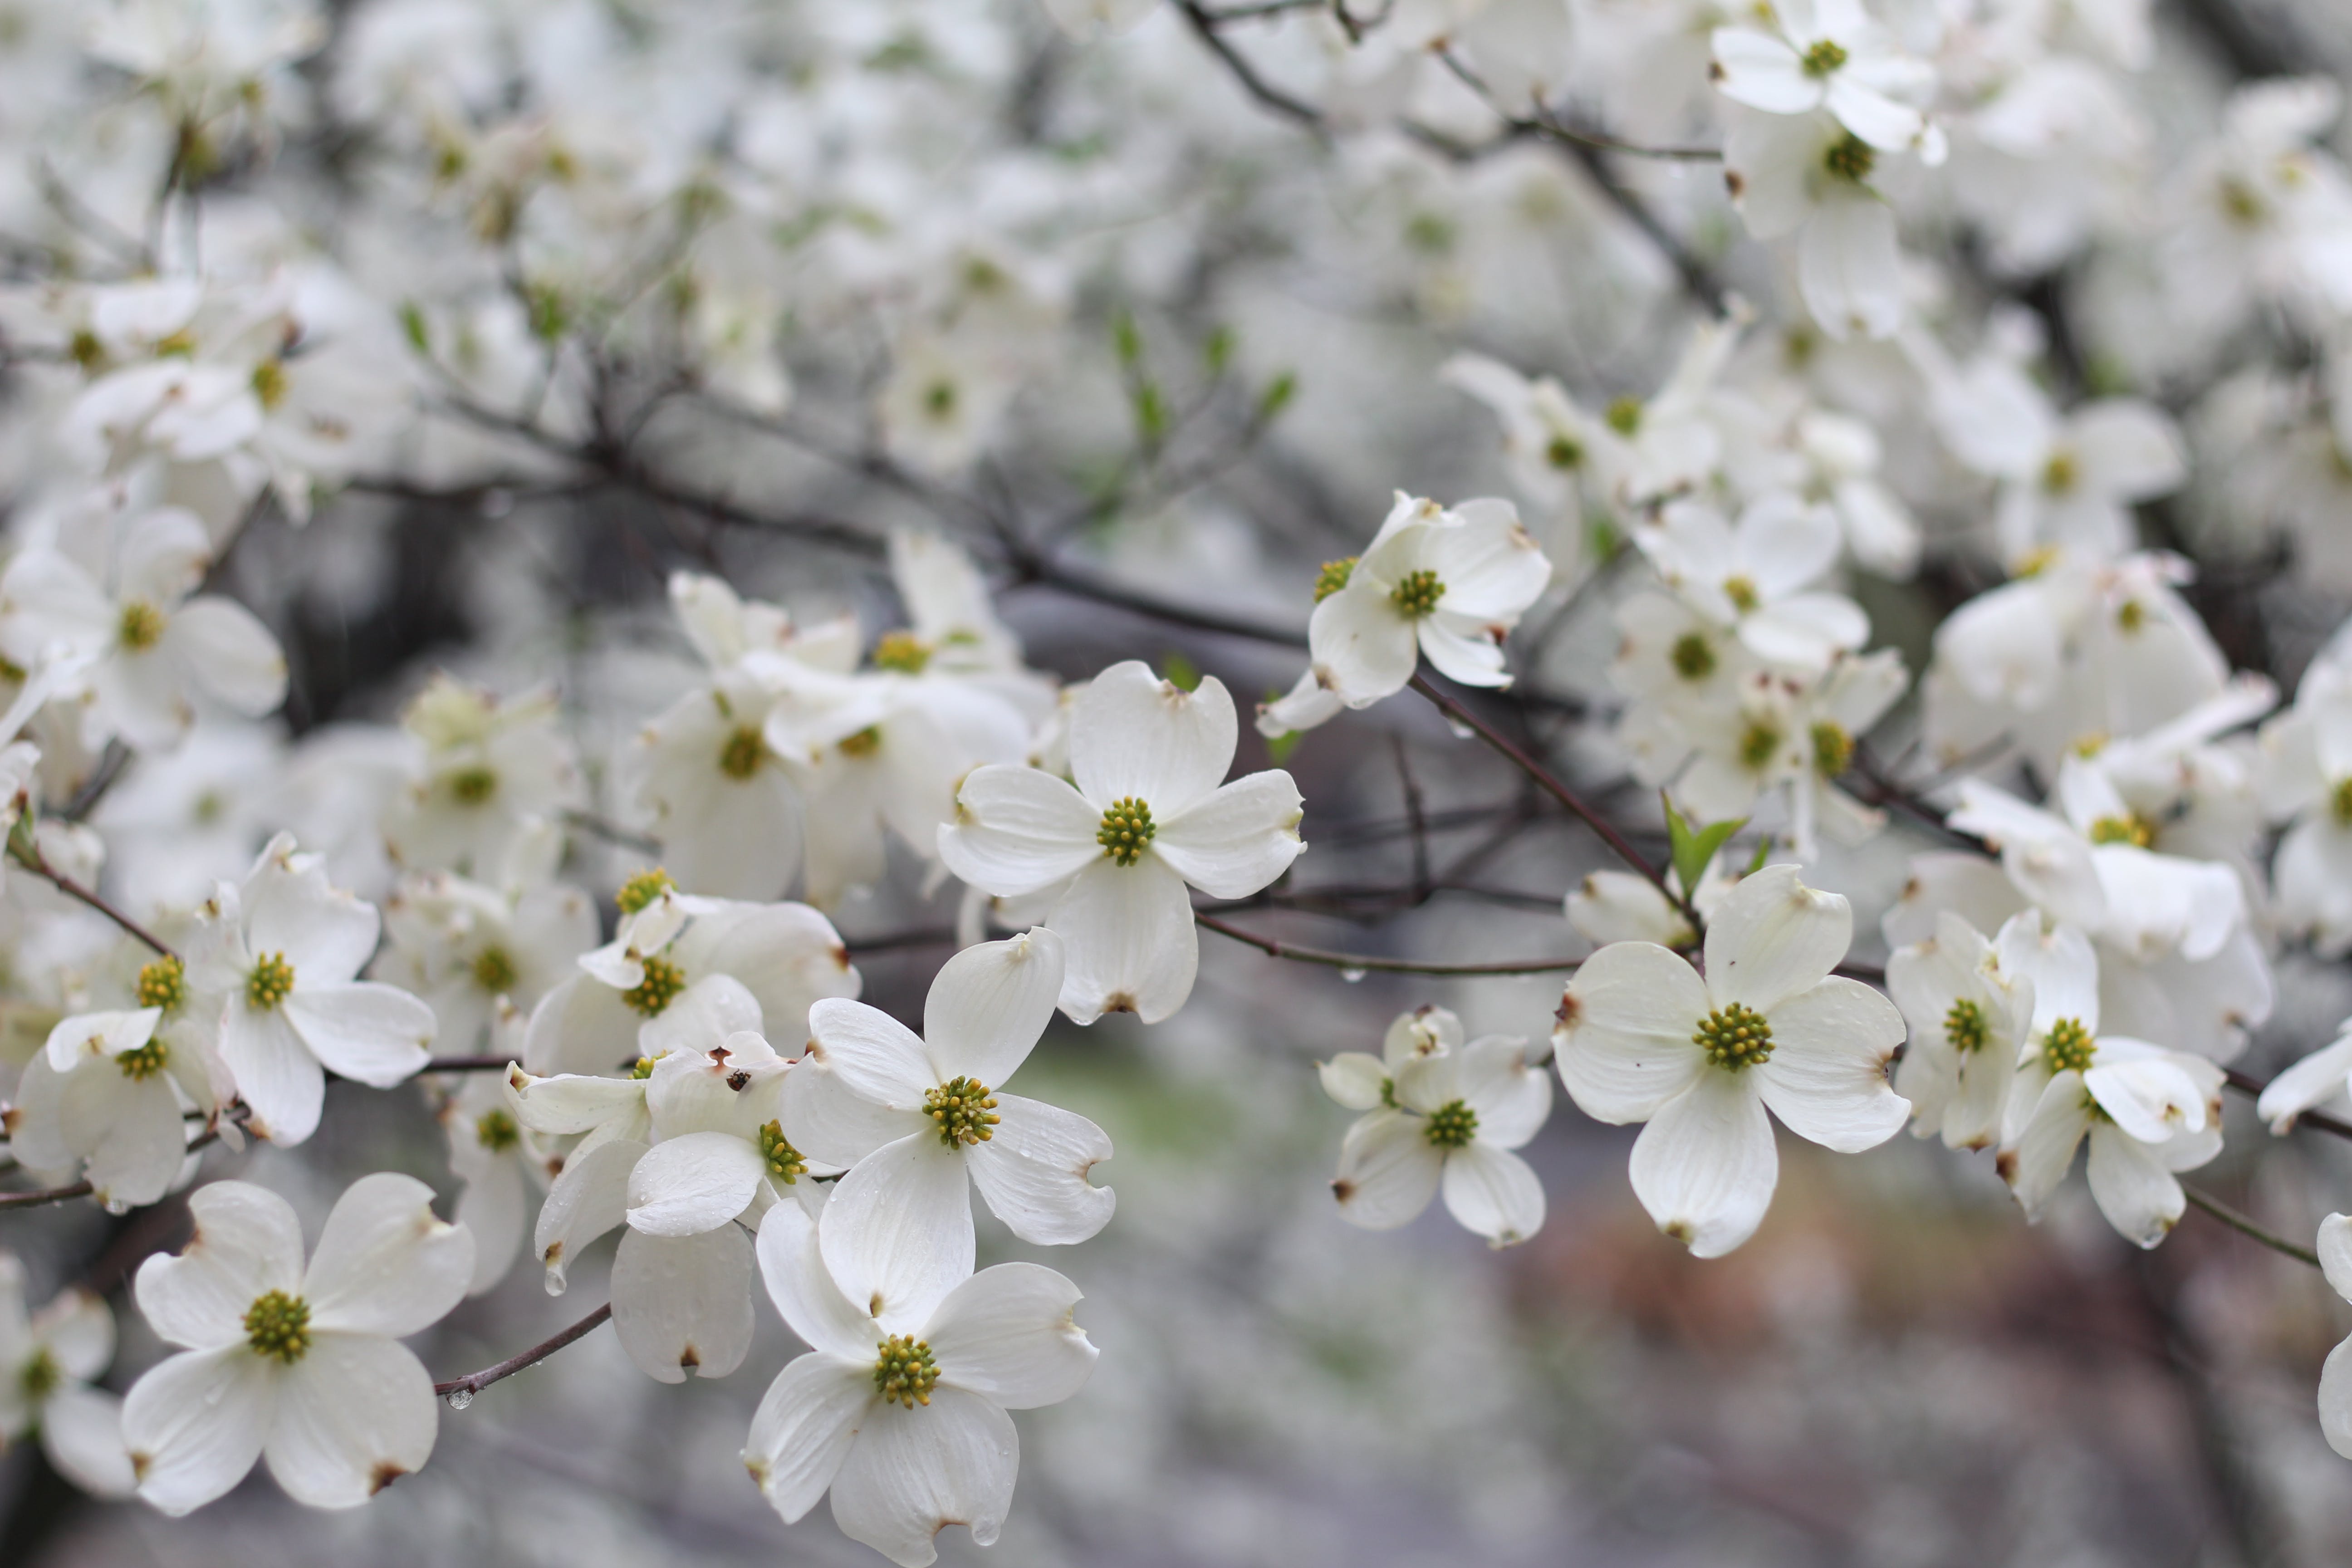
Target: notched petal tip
[
  {"x": 1567, "y": 1016},
  {"x": 2004, "y": 1165},
  {"x": 689, "y": 1359},
  {"x": 1343, "y": 1190},
  {"x": 1118, "y": 1001},
  {"x": 383, "y": 1475},
  {"x": 1680, "y": 1229}
]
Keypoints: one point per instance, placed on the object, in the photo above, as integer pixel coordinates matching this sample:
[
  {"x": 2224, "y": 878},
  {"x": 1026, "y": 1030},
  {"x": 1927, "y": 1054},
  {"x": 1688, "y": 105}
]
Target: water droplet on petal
[
  {"x": 460, "y": 1397},
  {"x": 1351, "y": 974},
  {"x": 117, "y": 1206}
]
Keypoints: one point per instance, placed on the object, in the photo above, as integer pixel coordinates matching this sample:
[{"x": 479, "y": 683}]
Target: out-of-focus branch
[
  {"x": 1361, "y": 962},
  {"x": 2247, "y": 1228},
  {"x": 2318, "y": 1122},
  {"x": 27, "y": 852}
]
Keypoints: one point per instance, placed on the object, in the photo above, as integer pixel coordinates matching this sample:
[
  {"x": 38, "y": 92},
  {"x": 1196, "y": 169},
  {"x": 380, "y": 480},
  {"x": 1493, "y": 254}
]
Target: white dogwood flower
[
  {"x": 1643, "y": 1037},
  {"x": 301, "y": 1365},
  {"x": 1146, "y": 816},
  {"x": 285, "y": 948},
  {"x": 1757, "y": 577},
  {"x": 911, "y": 1116},
  {"x": 1440, "y": 1114},
  {"x": 1968, "y": 1019},
  {"x": 898, "y": 1409},
  {"x": 48, "y": 1358},
  {"x": 108, "y": 1090},
  {"x": 1829, "y": 54}
]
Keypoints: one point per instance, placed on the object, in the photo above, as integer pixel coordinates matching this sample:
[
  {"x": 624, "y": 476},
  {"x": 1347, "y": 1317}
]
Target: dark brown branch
[
  {"x": 1364, "y": 963},
  {"x": 2247, "y": 1228},
  {"x": 2318, "y": 1122},
  {"x": 28, "y": 854},
  {"x": 473, "y": 1383}
]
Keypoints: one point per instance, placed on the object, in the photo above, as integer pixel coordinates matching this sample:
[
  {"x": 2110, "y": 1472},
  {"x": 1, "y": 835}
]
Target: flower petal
[
  {"x": 326, "y": 934},
  {"x": 1128, "y": 933},
  {"x": 803, "y": 1429},
  {"x": 1511, "y": 1096},
  {"x": 912, "y": 1473},
  {"x": 896, "y": 1234},
  {"x": 81, "y": 1434},
  {"x": 876, "y": 1057},
  {"x": 589, "y": 1198},
  {"x": 1009, "y": 1335},
  {"x": 1363, "y": 646},
  {"x": 1491, "y": 1192},
  {"x": 1826, "y": 1078},
  {"x": 2132, "y": 1187},
  {"x": 1017, "y": 830},
  {"x": 792, "y": 1265},
  {"x": 1624, "y": 1043},
  {"x": 1773, "y": 938},
  {"x": 987, "y": 1005},
  {"x": 1850, "y": 269},
  {"x": 1354, "y": 1079},
  {"x": 1132, "y": 733},
  {"x": 196, "y": 1423},
  {"x": 686, "y": 1185},
  {"x": 2335, "y": 1399},
  {"x": 247, "y": 1244},
  {"x": 385, "y": 1265},
  {"x": 2336, "y": 1253},
  {"x": 682, "y": 1304},
  {"x": 1705, "y": 1167},
  {"x": 1238, "y": 839},
  {"x": 1032, "y": 1173},
  {"x": 377, "y": 1034},
  {"x": 229, "y": 654},
  {"x": 1387, "y": 1170},
  {"x": 1761, "y": 71},
  {"x": 2045, "y": 1146},
  {"x": 277, "y": 1076},
  {"x": 354, "y": 1414}
]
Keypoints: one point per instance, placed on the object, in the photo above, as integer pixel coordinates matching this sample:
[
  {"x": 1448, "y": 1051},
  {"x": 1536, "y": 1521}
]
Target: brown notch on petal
[
  {"x": 140, "y": 1465},
  {"x": 1119, "y": 1002},
  {"x": 718, "y": 1055},
  {"x": 2005, "y": 1164},
  {"x": 1679, "y": 1229},
  {"x": 1734, "y": 182},
  {"x": 383, "y": 1475},
  {"x": 554, "y": 1253},
  {"x": 689, "y": 1359},
  {"x": 840, "y": 956},
  {"x": 1343, "y": 1190},
  {"x": 1568, "y": 1010}
]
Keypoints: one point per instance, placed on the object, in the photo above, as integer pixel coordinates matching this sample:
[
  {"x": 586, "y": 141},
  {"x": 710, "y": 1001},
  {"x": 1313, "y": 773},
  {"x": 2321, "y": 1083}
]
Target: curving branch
[
  {"x": 2247, "y": 1228},
  {"x": 1361, "y": 962},
  {"x": 27, "y": 854},
  {"x": 461, "y": 1391}
]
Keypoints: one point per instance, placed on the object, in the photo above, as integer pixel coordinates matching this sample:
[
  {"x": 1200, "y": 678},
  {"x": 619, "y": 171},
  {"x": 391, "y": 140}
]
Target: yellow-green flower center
[
  {"x": 2341, "y": 804},
  {"x": 271, "y": 982},
  {"x": 740, "y": 757},
  {"x": 864, "y": 743},
  {"x": 2130, "y": 615},
  {"x": 2068, "y": 1047},
  {"x": 1965, "y": 1029},
  {"x": 1126, "y": 828},
  {"x": 1741, "y": 592},
  {"x": 1734, "y": 1036},
  {"x": 901, "y": 651},
  {"x": 643, "y": 1070},
  {"x": 2060, "y": 475},
  {"x": 784, "y": 1161},
  {"x": 145, "y": 1061},
  {"x": 496, "y": 1130},
  {"x": 1451, "y": 1125},
  {"x": 2130, "y": 829},
  {"x": 1692, "y": 656},
  {"x": 1564, "y": 453},
  {"x": 278, "y": 1325},
  {"x": 142, "y": 627},
  {"x": 474, "y": 786},
  {"x": 642, "y": 890},
  {"x": 1833, "y": 749},
  {"x": 1850, "y": 158},
  {"x": 904, "y": 1373},
  {"x": 163, "y": 983},
  {"x": 269, "y": 383},
  {"x": 494, "y": 970},
  {"x": 39, "y": 1376},
  {"x": 1823, "y": 57},
  {"x": 1333, "y": 577},
  {"x": 1417, "y": 595},
  {"x": 663, "y": 981},
  {"x": 963, "y": 1110},
  {"x": 1758, "y": 745},
  {"x": 1624, "y": 415}
]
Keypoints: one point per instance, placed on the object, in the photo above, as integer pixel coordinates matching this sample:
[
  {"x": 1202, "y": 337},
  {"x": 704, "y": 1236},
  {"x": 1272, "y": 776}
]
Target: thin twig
[
  {"x": 1364, "y": 963},
  {"x": 210, "y": 1135},
  {"x": 38, "y": 864},
  {"x": 2247, "y": 1228},
  {"x": 473, "y": 1383},
  {"x": 2318, "y": 1122},
  {"x": 1560, "y": 792}
]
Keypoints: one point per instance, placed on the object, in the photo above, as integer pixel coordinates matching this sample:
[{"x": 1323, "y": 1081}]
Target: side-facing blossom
[
  {"x": 1146, "y": 816},
  {"x": 898, "y": 1409},
  {"x": 1968, "y": 1018},
  {"x": 48, "y": 1360},
  {"x": 108, "y": 1092},
  {"x": 1643, "y": 1037},
  {"x": 301, "y": 1365}
]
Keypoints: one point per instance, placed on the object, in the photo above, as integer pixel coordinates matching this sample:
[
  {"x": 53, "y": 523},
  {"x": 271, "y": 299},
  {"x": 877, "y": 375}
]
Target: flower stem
[
  {"x": 2248, "y": 1228},
  {"x": 473, "y": 1383}
]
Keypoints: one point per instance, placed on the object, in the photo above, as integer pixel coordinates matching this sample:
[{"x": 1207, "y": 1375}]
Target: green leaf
[
  {"x": 1763, "y": 847},
  {"x": 1279, "y": 747},
  {"x": 1126, "y": 338},
  {"x": 412, "y": 321},
  {"x": 1694, "y": 848},
  {"x": 1150, "y": 413},
  {"x": 1218, "y": 352},
  {"x": 1276, "y": 397},
  {"x": 1179, "y": 672}
]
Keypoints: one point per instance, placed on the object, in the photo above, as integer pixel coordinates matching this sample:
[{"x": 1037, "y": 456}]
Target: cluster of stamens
[
  {"x": 278, "y": 1325},
  {"x": 1741, "y": 591},
  {"x": 740, "y": 757},
  {"x": 1824, "y": 57},
  {"x": 963, "y": 1110},
  {"x": 2068, "y": 1047},
  {"x": 1734, "y": 1036},
  {"x": 142, "y": 627},
  {"x": 904, "y": 1371},
  {"x": 163, "y": 983},
  {"x": 145, "y": 1061},
  {"x": 2341, "y": 804},
  {"x": 642, "y": 890},
  {"x": 1833, "y": 749},
  {"x": 785, "y": 1162},
  {"x": 2060, "y": 474},
  {"x": 663, "y": 981},
  {"x": 496, "y": 1130},
  {"x": 1126, "y": 828},
  {"x": 1624, "y": 414},
  {"x": 1451, "y": 1125},
  {"x": 1691, "y": 656},
  {"x": 494, "y": 970},
  {"x": 1564, "y": 453},
  {"x": 39, "y": 1377},
  {"x": 474, "y": 786},
  {"x": 1758, "y": 746},
  {"x": 2131, "y": 828},
  {"x": 1851, "y": 158},
  {"x": 1417, "y": 595},
  {"x": 902, "y": 651},
  {"x": 1333, "y": 577},
  {"x": 1965, "y": 1029},
  {"x": 864, "y": 743},
  {"x": 271, "y": 982}
]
